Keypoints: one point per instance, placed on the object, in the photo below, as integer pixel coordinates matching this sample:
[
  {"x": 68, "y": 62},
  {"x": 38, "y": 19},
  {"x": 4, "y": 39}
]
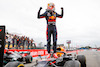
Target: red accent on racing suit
[{"x": 50, "y": 17}]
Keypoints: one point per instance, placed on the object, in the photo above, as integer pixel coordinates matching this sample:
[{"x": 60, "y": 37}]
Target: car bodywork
[
  {"x": 64, "y": 60},
  {"x": 16, "y": 56}
]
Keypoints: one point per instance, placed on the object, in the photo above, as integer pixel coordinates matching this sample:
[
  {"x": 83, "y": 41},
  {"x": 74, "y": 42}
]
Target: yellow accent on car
[
  {"x": 80, "y": 65},
  {"x": 59, "y": 54},
  {"x": 20, "y": 65},
  {"x": 48, "y": 4}
]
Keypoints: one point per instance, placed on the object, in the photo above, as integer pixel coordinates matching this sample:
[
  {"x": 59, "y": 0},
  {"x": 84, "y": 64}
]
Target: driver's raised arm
[
  {"x": 62, "y": 12},
  {"x": 42, "y": 15}
]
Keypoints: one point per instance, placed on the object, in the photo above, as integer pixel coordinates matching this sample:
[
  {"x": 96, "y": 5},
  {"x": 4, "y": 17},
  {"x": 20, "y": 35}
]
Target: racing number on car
[{"x": 2, "y": 40}]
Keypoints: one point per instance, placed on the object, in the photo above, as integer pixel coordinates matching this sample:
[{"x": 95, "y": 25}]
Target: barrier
[
  {"x": 98, "y": 50},
  {"x": 36, "y": 52},
  {"x": 33, "y": 52}
]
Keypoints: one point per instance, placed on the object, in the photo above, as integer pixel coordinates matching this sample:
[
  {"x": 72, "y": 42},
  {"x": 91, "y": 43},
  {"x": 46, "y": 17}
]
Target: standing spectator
[
  {"x": 6, "y": 38},
  {"x": 13, "y": 41},
  {"x": 18, "y": 43},
  {"x": 9, "y": 41},
  {"x": 22, "y": 41},
  {"x": 31, "y": 43},
  {"x": 28, "y": 42}
]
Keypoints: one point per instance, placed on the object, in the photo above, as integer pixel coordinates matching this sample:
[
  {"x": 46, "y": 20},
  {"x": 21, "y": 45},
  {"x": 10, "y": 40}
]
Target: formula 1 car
[
  {"x": 17, "y": 56},
  {"x": 14, "y": 64},
  {"x": 64, "y": 60}
]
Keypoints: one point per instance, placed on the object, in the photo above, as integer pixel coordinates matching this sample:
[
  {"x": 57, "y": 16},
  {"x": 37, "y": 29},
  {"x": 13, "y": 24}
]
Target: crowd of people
[{"x": 19, "y": 42}]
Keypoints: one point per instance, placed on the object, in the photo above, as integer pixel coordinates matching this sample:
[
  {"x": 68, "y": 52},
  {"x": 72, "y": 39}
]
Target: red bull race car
[{"x": 63, "y": 60}]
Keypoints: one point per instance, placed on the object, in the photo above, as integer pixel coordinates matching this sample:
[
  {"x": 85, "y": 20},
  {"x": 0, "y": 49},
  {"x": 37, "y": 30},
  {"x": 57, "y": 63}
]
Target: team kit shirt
[{"x": 50, "y": 17}]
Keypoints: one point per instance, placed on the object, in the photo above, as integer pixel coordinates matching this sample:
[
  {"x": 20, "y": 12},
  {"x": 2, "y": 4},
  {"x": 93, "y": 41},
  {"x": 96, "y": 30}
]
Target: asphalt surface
[{"x": 92, "y": 58}]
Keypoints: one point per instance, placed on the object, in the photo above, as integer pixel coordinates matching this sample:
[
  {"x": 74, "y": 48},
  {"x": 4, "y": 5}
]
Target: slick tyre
[
  {"x": 14, "y": 64},
  {"x": 28, "y": 59},
  {"x": 82, "y": 60},
  {"x": 72, "y": 63}
]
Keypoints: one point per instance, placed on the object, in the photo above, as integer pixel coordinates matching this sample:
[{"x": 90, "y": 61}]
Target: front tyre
[
  {"x": 28, "y": 59},
  {"x": 82, "y": 60},
  {"x": 72, "y": 63}
]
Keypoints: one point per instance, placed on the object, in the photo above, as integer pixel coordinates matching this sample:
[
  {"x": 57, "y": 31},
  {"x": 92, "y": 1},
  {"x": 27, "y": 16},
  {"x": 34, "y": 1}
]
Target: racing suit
[{"x": 50, "y": 17}]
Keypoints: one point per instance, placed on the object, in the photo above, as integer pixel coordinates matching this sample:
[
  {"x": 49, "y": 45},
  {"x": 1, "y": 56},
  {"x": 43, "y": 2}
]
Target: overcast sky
[{"x": 80, "y": 24}]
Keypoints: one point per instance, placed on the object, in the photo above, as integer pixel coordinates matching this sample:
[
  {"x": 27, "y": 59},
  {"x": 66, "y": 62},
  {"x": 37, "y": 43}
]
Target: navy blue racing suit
[{"x": 50, "y": 17}]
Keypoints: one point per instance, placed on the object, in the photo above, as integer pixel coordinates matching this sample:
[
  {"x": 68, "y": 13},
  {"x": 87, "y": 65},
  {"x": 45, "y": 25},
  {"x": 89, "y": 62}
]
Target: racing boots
[
  {"x": 55, "y": 55},
  {"x": 48, "y": 56}
]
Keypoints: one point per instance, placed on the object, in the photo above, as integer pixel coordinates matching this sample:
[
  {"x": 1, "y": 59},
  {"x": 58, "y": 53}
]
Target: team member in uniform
[{"x": 51, "y": 16}]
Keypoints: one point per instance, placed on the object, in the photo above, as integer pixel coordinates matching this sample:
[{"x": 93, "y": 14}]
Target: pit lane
[{"x": 92, "y": 58}]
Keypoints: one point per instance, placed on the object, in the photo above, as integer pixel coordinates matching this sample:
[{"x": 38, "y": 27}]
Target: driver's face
[{"x": 51, "y": 8}]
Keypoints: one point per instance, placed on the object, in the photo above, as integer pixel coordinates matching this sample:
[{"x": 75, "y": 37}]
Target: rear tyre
[
  {"x": 82, "y": 60},
  {"x": 14, "y": 64},
  {"x": 72, "y": 63},
  {"x": 28, "y": 59}
]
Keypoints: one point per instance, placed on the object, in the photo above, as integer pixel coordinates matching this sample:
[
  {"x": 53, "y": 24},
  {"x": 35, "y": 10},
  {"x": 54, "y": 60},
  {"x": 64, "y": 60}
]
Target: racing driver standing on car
[{"x": 51, "y": 16}]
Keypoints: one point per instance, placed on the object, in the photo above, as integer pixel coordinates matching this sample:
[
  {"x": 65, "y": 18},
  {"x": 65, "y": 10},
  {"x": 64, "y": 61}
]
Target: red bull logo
[{"x": 52, "y": 17}]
